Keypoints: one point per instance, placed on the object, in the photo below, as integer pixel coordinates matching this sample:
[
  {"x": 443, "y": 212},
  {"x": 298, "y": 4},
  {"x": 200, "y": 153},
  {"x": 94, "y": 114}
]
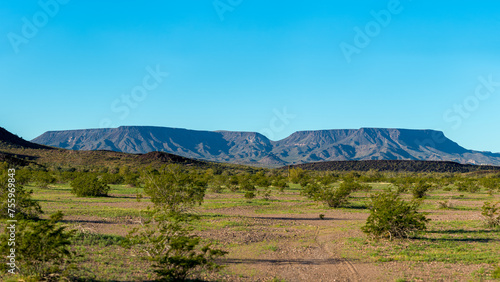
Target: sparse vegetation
[{"x": 260, "y": 215}]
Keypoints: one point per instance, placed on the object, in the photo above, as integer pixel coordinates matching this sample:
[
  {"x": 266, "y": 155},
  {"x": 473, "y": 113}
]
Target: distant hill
[
  {"x": 19, "y": 152},
  {"x": 9, "y": 140},
  {"x": 396, "y": 166},
  {"x": 255, "y": 149}
]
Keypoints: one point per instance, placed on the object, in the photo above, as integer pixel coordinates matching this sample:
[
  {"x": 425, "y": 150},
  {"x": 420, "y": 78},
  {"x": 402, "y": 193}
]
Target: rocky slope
[{"x": 254, "y": 148}]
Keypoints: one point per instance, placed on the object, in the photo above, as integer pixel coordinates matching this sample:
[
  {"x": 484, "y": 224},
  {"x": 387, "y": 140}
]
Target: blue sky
[{"x": 275, "y": 68}]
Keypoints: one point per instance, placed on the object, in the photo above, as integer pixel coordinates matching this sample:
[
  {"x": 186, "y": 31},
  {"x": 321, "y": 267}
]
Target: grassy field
[{"x": 283, "y": 238}]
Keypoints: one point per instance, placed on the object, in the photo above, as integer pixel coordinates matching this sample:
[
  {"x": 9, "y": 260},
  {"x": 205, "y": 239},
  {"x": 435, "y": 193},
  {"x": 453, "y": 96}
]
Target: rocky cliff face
[{"x": 254, "y": 148}]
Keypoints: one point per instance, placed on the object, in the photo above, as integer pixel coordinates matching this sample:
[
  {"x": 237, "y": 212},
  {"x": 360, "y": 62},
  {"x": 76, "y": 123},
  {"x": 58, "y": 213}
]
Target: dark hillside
[
  {"x": 395, "y": 165},
  {"x": 9, "y": 140}
]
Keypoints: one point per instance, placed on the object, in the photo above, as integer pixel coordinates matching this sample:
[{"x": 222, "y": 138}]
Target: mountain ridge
[{"x": 256, "y": 149}]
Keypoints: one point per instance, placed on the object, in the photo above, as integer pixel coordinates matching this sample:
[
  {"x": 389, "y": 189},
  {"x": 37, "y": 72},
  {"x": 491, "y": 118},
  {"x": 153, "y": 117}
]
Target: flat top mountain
[{"x": 256, "y": 149}]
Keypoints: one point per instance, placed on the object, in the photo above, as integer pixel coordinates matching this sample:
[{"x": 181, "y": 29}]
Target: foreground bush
[
  {"x": 166, "y": 240},
  {"x": 392, "y": 217},
  {"x": 88, "y": 185},
  {"x": 165, "y": 235},
  {"x": 42, "y": 248}
]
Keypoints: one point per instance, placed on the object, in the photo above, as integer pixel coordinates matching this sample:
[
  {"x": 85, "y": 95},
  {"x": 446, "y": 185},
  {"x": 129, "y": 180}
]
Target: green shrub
[
  {"x": 296, "y": 175},
  {"x": 355, "y": 186},
  {"x": 280, "y": 184},
  {"x": 246, "y": 185},
  {"x": 420, "y": 189},
  {"x": 403, "y": 184},
  {"x": 23, "y": 176},
  {"x": 175, "y": 190},
  {"x": 266, "y": 193},
  {"x": 249, "y": 195},
  {"x": 112, "y": 178},
  {"x": 42, "y": 247},
  {"x": 327, "y": 179},
  {"x": 336, "y": 197},
  {"x": 232, "y": 183},
  {"x": 392, "y": 217},
  {"x": 42, "y": 179},
  {"x": 495, "y": 274},
  {"x": 132, "y": 179},
  {"x": 312, "y": 191},
  {"x": 176, "y": 254},
  {"x": 491, "y": 184},
  {"x": 491, "y": 214},
  {"x": 88, "y": 185},
  {"x": 12, "y": 193},
  {"x": 468, "y": 185},
  {"x": 446, "y": 205}
]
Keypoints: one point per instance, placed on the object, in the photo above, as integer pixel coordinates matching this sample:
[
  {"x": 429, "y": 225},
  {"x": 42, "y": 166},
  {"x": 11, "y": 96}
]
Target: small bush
[
  {"x": 312, "y": 191},
  {"x": 491, "y": 184},
  {"x": 491, "y": 214},
  {"x": 295, "y": 175},
  {"x": 280, "y": 184},
  {"x": 468, "y": 185},
  {"x": 420, "y": 189},
  {"x": 249, "y": 195},
  {"x": 88, "y": 185},
  {"x": 246, "y": 185},
  {"x": 266, "y": 193},
  {"x": 336, "y": 197},
  {"x": 392, "y": 217},
  {"x": 445, "y": 205}
]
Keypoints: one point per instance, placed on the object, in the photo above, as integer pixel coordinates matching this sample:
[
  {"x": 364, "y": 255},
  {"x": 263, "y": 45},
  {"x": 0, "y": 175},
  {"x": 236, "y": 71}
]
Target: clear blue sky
[{"x": 237, "y": 65}]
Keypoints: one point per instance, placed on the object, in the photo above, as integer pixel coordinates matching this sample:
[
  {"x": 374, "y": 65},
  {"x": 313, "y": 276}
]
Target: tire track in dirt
[{"x": 322, "y": 242}]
